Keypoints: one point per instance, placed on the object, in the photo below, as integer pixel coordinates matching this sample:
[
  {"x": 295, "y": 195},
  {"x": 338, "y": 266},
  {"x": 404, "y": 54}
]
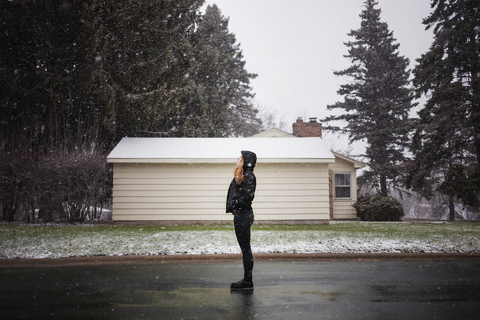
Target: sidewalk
[{"x": 280, "y": 257}]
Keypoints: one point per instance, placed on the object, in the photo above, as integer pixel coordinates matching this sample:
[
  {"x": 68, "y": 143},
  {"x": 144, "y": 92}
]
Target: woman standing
[{"x": 239, "y": 202}]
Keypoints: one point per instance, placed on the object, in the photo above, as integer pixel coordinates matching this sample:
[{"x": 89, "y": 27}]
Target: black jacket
[{"x": 240, "y": 196}]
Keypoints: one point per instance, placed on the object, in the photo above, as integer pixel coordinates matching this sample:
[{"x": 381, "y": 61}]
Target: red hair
[{"x": 238, "y": 172}]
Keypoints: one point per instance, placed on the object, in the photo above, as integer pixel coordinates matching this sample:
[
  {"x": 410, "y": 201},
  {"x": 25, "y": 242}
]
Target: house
[
  {"x": 342, "y": 172},
  {"x": 185, "y": 180}
]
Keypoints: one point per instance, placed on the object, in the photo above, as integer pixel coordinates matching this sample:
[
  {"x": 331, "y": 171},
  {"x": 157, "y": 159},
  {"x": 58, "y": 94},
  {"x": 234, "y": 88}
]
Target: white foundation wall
[{"x": 196, "y": 192}]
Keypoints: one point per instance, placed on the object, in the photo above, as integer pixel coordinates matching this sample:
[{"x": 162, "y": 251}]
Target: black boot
[{"x": 241, "y": 285}]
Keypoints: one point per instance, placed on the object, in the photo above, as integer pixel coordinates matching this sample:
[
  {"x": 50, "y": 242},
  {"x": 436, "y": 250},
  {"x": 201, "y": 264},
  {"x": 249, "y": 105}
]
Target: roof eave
[
  {"x": 171, "y": 160},
  {"x": 356, "y": 164}
]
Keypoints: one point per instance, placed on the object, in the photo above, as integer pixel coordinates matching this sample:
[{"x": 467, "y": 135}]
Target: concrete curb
[{"x": 162, "y": 259}]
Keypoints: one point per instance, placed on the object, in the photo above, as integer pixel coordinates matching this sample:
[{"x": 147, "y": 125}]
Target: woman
[{"x": 239, "y": 202}]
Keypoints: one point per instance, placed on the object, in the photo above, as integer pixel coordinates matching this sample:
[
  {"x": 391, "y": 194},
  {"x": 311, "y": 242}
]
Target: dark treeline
[
  {"x": 87, "y": 73},
  {"x": 76, "y": 76}
]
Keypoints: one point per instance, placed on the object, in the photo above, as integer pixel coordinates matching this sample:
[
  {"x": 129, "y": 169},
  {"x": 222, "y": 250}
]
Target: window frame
[{"x": 342, "y": 185}]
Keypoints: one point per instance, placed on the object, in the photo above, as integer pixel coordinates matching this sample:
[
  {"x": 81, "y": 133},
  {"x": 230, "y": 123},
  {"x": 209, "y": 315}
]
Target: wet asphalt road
[{"x": 283, "y": 290}]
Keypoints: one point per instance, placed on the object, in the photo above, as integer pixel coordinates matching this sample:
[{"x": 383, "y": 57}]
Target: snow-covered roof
[{"x": 219, "y": 150}]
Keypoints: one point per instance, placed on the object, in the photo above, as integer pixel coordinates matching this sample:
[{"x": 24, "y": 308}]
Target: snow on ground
[{"x": 22, "y": 244}]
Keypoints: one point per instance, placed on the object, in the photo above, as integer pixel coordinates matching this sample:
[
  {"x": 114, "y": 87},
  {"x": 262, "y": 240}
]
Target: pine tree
[
  {"x": 446, "y": 144},
  {"x": 377, "y": 99},
  {"x": 219, "y": 103},
  {"x": 76, "y": 73},
  {"x": 46, "y": 73},
  {"x": 147, "y": 54}
]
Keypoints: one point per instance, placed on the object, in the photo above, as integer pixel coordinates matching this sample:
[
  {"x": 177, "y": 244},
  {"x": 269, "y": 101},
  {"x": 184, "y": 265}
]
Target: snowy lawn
[{"x": 41, "y": 241}]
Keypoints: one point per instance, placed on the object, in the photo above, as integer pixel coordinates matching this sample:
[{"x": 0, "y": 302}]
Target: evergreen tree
[
  {"x": 446, "y": 144},
  {"x": 76, "y": 73},
  {"x": 45, "y": 74},
  {"x": 378, "y": 98},
  {"x": 144, "y": 57},
  {"x": 219, "y": 103}
]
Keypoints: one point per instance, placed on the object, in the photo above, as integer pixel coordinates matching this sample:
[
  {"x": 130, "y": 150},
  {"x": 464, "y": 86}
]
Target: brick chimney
[{"x": 307, "y": 129}]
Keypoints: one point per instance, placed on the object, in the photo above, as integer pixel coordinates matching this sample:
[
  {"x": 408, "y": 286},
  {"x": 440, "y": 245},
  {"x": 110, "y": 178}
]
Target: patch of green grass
[
  {"x": 355, "y": 227},
  {"x": 347, "y": 229}
]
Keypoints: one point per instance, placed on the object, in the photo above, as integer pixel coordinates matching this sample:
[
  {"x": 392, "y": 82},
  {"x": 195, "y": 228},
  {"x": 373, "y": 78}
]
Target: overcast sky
[{"x": 295, "y": 45}]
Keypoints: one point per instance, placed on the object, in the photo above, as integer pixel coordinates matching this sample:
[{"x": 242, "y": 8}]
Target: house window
[{"x": 342, "y": 185}]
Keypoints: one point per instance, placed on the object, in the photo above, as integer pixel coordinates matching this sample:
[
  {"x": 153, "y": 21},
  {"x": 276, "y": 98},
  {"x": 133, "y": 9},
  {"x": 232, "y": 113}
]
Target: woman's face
[{"x": 239, "y": 159}]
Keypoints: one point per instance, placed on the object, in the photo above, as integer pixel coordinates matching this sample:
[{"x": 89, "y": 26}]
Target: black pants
[{"x": 242, "y": 224}]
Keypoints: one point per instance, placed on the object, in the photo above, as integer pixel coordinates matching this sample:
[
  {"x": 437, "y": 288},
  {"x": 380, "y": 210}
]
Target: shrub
[
  {"x": 378, "y": 208},
  {"x": 13, "y": 185},
  {"x": 66, "y": 186}
]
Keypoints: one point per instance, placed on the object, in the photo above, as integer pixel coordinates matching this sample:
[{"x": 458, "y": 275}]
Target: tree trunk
[
  {"x": 476, "y": 109},
  {"x": 451, "y": 206},
  {"x": 383, "y": 185}
]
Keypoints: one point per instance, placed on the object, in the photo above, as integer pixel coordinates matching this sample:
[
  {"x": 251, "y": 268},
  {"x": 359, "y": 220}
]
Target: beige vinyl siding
[
  {"x": 197, "y": 191},
  {"x": 292, "y": 191},
  {"x": 155, "y": 191},
  {"x": 343, "y": 208}
]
